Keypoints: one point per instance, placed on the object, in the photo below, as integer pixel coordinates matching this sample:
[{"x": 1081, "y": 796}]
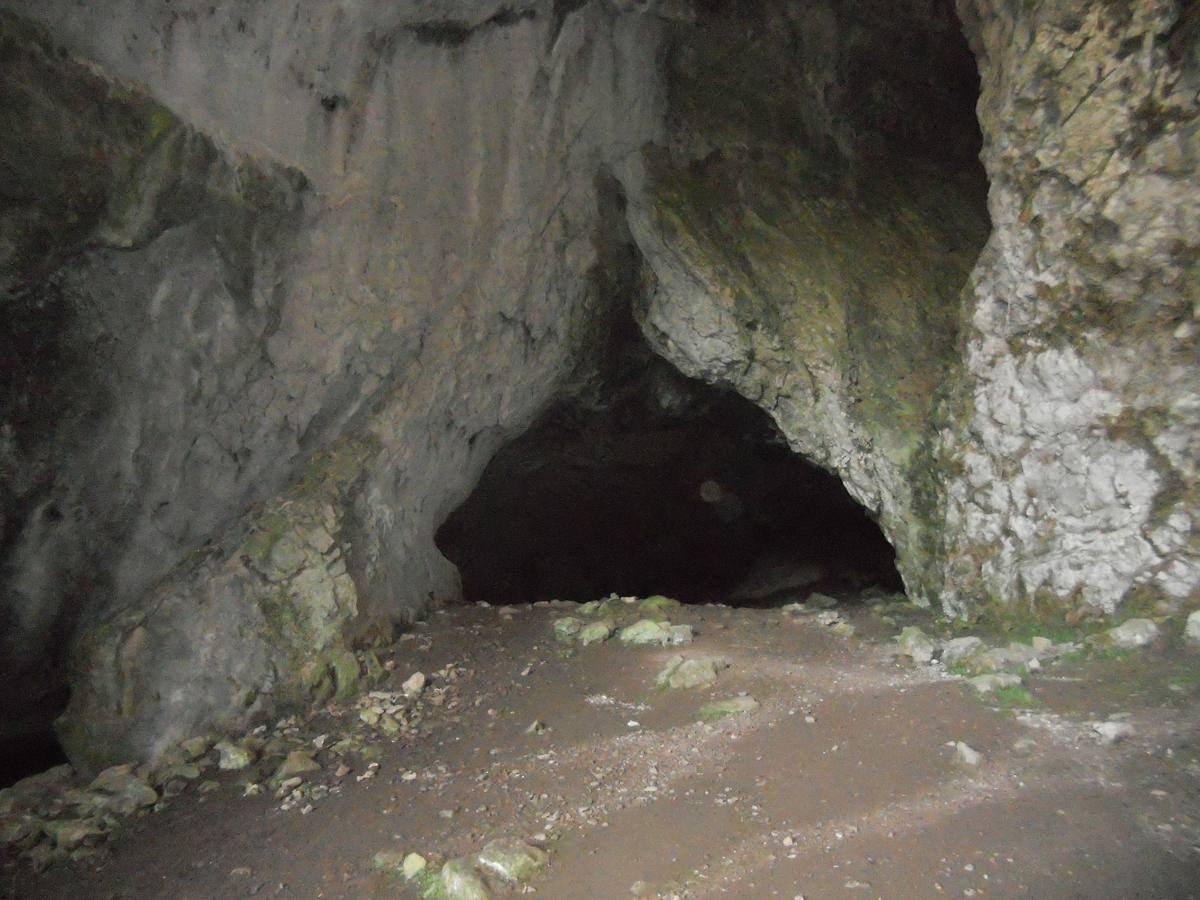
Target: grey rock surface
[{"x": 273, "y": 268}]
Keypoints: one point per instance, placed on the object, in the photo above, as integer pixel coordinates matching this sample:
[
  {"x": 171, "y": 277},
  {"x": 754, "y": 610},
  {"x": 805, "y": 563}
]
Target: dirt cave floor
[{"x": 844, "y": 781}]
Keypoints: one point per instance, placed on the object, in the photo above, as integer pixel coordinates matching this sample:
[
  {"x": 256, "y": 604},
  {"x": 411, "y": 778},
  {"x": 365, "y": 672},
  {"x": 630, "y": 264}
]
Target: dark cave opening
[{"x": 662, "y": 485}]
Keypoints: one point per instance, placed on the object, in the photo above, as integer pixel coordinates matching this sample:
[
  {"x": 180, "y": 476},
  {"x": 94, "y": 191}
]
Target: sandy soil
[{"x": 841, "y": 783}]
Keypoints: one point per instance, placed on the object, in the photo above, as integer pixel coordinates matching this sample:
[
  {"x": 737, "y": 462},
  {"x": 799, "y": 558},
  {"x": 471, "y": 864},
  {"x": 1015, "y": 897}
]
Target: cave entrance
[{"x": 661, "y": 485}]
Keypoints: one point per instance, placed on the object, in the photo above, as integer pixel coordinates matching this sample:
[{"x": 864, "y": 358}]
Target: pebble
[
  {"x": 1111, "y": 732},
  {"x": 414, "y": 685},
  {"x": 967, "y": 755}
]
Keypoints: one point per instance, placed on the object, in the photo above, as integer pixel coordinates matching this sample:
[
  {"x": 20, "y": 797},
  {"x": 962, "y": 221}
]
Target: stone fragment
[
  {"x": 124, "y": 792},
  {"x": 595, "y": 633},
  {"x": 511, "y": 859},
  {"x": 414, "y": 864},
  {"x": 1191, "y": 629},
  {"x": 566, "y": 628},
  {"x": 388, "y": 861},
  {"x": 298, "y": 762},
  {"x": 1014, "y": 657},
  {"x": 657, "y": 605},
  {"x": 843, "y": 629},
  {"x": 185, "y": 771},
  {"x": 916, "y": 644},
  {"x": 70, "y": 833},
  {"x": 680, "y": 635},
  {"x": 967, "y": 755},
  {"x": 732, "y": 707},
  {"x": 1133, "y": 633},
  {"x": 1112, "y": 731},
  {"x": 958, "y": 649},
  {"x": 680, "y": 672},
  {"x": 818, "y": 601},
  {"x": 413, "y": 685},
  {"x": 233, "y": 756},
  {"x": 646, "y": 631},
  {"x": 460, "y": 882},
  {"x": 19, "y": 829},
  {"x": 986, "y": 684}
]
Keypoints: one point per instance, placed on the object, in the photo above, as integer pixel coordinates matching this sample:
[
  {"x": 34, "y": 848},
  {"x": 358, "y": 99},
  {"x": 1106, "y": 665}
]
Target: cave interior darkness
[{"x": 654, "y": 483}]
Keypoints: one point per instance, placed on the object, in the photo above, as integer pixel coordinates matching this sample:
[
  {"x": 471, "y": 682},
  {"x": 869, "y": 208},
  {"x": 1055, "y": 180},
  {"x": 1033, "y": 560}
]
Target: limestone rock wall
[
  {"x": 425, "y": 285},
  {"x": 807, "y": 230},
  {"x": 1072, "y": 466}
]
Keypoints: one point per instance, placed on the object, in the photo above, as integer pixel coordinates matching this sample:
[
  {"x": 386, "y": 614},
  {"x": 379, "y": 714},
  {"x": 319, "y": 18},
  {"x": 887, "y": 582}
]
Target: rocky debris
[
  {"x": 1112, "y": 731},
  {"x": 819, "y": 601},
  {"x": 413, "y": 865},
  {"x": 734, "y": 706},
  {"x": 1133, "y": 633},
  {"x": 414, "y": 685},
  {"x": 595, "y": 633},
  {"x": 917, "y": 645},
  {"x": 987, "y": 684},
  {"x": 233, "y": 756},
  {"x": 1014, "y": 657},
  {"x": 388, "y": 861},
  {"x": 967, "y": 755},
  {"x": 461, "y": 882},
  {"x": 957, "y": 649},
  {"x": 651, "y": 631},
  {"x": 124, "y": 791},
  {"x": 657, "y": 605},
  {"x": 1191, "y": 630},
  {"x": 698, "y": 671},
  {"x": 298, "y": 763},
  {"x": 511, "y": 860},
  {"x": 567, "y": 627}
]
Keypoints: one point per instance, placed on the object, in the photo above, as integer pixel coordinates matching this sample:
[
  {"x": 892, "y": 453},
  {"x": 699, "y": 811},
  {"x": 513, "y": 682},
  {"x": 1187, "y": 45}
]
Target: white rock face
[
  {"x": 1191, "y": 631},
  {"x": 1078, "y": 455}
]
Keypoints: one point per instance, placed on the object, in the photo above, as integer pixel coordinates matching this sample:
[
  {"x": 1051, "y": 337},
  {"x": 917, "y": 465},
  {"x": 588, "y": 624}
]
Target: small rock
[
  {"x": 682, "y": 673},
  {"x": 241, "y": 872},
  {"x": 566, "y": 628},
  {"x": 731, "y": 707},
  {"x": 966, "y": 755},
  {"x": 1041, "y": 644},
  {"x": 1112, "y": 732},
  {"x": 388, "y": 861},
  {"x": 820, "y": 601},
  {"x": 413, "y": 685},
  {"x": 1191, "y": 629},
  {"x": 68, "y": 834},
  {"x": 646, "y": 631},
  {"x": 1005, "y": 659},
  {"x": 511, "y": 859},
  {"x": 124, "y": 792},
  {"x": 680, "y": 635},
  {"x": 233, "y": 756},
  {"x": 460, "y": 882},
  {"x": 960, "y": 648},
  {"x": 414, "y": 864},
  {"x": 298, "y": 763},
  {"x": 196, "y": 747},
  {"x": 595, "y": 633},
  {"x": 843, "y": 629},
  {"x": 916, "y": 644},
  {"x": 1133, "y": 633},
  {"x": 657, "y": 604},
  {"x": 986, "y": 684}
]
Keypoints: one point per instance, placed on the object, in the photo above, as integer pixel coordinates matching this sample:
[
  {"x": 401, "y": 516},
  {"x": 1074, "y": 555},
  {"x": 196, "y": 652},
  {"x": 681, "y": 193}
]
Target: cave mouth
[{"x": 665, "y": 486}]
